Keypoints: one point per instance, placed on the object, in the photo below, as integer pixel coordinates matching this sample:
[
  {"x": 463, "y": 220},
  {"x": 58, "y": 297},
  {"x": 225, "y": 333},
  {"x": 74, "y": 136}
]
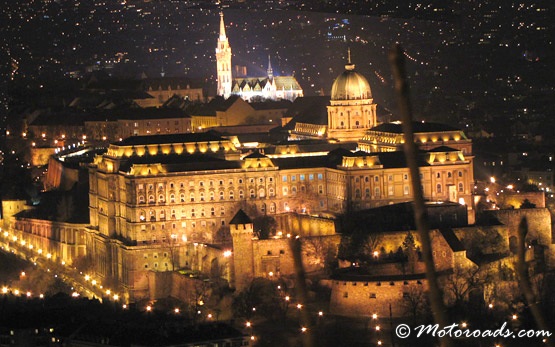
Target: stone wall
[
  {"x": 305, "y": 225},
  {"x": 363, "y": 299}
]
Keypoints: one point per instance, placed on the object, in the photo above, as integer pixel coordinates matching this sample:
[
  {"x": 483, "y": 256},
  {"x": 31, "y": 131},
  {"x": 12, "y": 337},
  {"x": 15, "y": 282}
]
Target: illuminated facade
[
  {"x": 388, "y": 137},
  {"x": 350, "y": 113},
  {"x": 251, "y": 88}
]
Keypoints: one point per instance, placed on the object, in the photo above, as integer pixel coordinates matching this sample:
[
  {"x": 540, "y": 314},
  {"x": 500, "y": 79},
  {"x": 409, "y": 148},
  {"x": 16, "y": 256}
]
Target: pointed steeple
[
  {"x": 222, "y": 27},
  {"x": 223, "y": 62},
  {"x": 270, "y": 71}
]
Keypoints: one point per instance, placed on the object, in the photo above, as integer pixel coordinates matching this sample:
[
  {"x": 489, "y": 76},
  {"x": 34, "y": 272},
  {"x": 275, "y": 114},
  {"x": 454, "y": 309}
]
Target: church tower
[
  {"x": 223, "y": 61},
  {"x": 352, "y": 110}
]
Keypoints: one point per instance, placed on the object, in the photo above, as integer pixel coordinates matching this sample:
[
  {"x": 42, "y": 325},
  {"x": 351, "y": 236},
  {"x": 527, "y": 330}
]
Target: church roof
[
  {"x": 281, "y": 82},
  {"x": 240, "y": 218}
]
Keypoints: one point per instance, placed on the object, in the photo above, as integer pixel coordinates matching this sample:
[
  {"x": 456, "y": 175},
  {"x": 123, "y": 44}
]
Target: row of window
[
  {"x": 202, "y": 196},
  {"x": 210, "y": 183},
  {"x": 302, "y": 177}
]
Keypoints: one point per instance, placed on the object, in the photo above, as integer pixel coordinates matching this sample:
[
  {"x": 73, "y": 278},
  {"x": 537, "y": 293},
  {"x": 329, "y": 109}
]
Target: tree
[
  {"x": 411, "y": 251},
  {"x": 527, "y": 204},
  {"x": 320, "y": 251},
  {"x": 264, "y": 226},
  {"x": 415, "y": 302},
  {"x": 465, "y": 280},
  {"x": 172, "y": 246}
]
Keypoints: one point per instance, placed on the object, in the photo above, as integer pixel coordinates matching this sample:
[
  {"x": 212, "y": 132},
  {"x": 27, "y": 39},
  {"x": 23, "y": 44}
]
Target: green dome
[{"x": 350, "y": 85}]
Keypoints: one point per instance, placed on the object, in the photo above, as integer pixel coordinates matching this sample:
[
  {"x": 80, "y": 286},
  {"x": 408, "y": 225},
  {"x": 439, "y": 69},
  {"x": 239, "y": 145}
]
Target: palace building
[
  {"x": 251, "y": 88},
  {"x": 350, "y": 113}
]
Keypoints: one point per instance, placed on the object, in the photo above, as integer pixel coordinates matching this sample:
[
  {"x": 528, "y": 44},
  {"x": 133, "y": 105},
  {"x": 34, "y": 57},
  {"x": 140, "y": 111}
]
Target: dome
[{"x": 350, "y": 85}]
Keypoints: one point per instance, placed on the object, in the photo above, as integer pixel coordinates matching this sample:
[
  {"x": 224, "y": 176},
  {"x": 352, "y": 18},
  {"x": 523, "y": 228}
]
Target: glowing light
[
  {"x": 22, "y": 273},
  {"x": 16, "y": 292},
  {"x": 492, "y": 179},
  {"x": 463, "y": 324},
  {"x": 4, "y": 290},
  {"x": 41, "y": 296},
  {"x": 75, "y": 294},
  {"x": 6, "y": 234},
  {"x": 149, "y": 308},
  {"x": 320, "y": 313},
  {"x": 63, "y": 262},
  {"x": 248, "y": 324},
  {"x": 93, "y": 282},
  {"x": 49, "y": 256},
  {"x": 176, "y": 310},
  {"x": 124, "y": 306},
  {"x": 108, "y": 291},
  {"x": 209, "y": 316},
  {"x": 299, "y": 306},
  {"x": 227, "y": 253},
  {"x": 40, "y": 251},
  {"x": 376, "y": 254},
  {"x": 287, "y": 298},
  {"x": 510, "y": 186},
  {"x": 379, "y": 342},
  {"x": 87, "y": 277},
  {"x": 304, "y": 329},
  {"x": 515, "y": 317},
  {"x": 375, "y": 316},
  {"x": 270, "y": 273},
  {"x": 378, "y": 328},
  {"x": 116, "y": 297},
  {"x": 490, "y": 305}
]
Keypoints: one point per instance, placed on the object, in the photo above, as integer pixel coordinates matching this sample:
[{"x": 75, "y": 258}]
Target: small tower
[
  {"x": 223, "y": 62},
  {"x": 242, "y": 233}
]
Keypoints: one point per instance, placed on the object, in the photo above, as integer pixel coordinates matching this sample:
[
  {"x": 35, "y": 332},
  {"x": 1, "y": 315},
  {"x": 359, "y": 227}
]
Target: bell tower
[{"x": 223, "y": 62}]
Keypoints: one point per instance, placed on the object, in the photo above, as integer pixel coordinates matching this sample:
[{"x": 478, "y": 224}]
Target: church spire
[
  {"x": 270, "y": 71},
  {"x": 223, "y": 62},
  {"x": 222, "y": 27}
]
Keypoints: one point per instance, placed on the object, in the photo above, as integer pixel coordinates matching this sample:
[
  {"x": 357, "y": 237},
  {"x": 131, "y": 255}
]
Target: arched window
[
  {"x": 141, "y": 199},
  {"x": 293, "y": 190},
  {"x": 461, "y": 187},
  {"x": 211, "y": 195},
  {"x": 231, "y": 196},
  {"x": 182, "y": 197},
  {"x": 357, "y": 193},
  {"x": 273, "y": 207},
  {"x": 201, "y": 196},
  {"x": 151, "y": 199},
  {"x": 221, "y": 195},
  {"x": 241, "y": 194},
  {"x": 212, "y": 211},
  {"x": 367, "y": 193},
  {"x": 252, "y": 193},
  {"x": 192, "y": 197},
  {"x": 271, "y": 192},
  {"x": 261, "y": 193},
  {"x": 222, "y": 211},
  {"x": 438, "y": 188},
  {"x": 172, "y": 198}
]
